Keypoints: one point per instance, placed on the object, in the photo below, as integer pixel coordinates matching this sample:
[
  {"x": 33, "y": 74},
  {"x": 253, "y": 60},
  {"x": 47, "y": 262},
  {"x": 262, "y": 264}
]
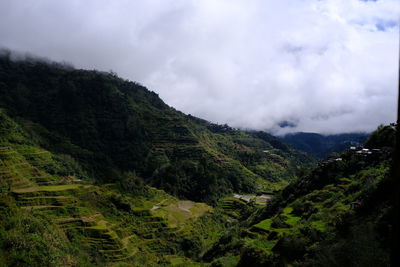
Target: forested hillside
[
  {"x": 51, "y": 215},
  {"x": 112, "y": 126},
  {"x": 99, "y": 171},
  {"x": 320, "y": 145},
  {"x": 337, "y": 214}
]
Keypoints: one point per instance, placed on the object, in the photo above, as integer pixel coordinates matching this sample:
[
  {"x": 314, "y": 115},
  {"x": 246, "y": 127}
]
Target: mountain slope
[
  {"x": 321, "y": 146},
  {"x": 79, "y": 149},
  {"x": 78, "y": 152},
  {"x": 338, "y": 214},
  {"x": 51, "y": 215},
  {"x": 112, "y": 126}
]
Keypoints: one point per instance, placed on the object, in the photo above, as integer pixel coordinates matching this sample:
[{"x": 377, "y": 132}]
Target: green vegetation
[
  {"x": 52, "y": 214},
  {"x": 100, "y": 127},
  {"x": 72, "y": 223},
  {"x": 264, "y": 225},
  {"x": 338, "y": 214},
  {"x": 77, "y": 149},
  {"x": 98, "y": 171},
  {"x": 321, "y": 146}
]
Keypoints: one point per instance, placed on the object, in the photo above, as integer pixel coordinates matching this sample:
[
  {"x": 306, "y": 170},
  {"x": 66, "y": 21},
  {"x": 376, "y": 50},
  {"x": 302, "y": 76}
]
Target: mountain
[
  {"x": 112, "y": 126},
  {"x": 340, "y": 213},
  {"x": 321, "y": 146},
  {"x": 99, "y": 171},
  {"x": 84, "y": 156},
  {"x": 51, "y": 215}
]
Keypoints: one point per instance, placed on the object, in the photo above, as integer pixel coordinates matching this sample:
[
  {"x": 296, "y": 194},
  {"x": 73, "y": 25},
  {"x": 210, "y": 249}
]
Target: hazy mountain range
[{"x": 320, "y": 145}]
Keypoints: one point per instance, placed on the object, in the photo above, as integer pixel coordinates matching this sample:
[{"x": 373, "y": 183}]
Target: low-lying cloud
[{"x": 325, "y": 66}]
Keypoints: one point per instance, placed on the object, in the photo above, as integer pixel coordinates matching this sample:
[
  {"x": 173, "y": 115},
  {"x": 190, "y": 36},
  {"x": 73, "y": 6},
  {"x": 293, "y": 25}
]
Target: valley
[{"x": 99, "y": 171}]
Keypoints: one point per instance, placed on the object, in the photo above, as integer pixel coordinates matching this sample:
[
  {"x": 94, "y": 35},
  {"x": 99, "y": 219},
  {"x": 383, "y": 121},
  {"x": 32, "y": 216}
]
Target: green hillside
[
  {"x": 51, "y": 215},
  {"x": 86, "y": 159},
  {"x": 321, "y": 146},
  {"x": 337, "y": 214},
  {"x": 98, "y": 171},
  {"x": 112, "y": 126}
]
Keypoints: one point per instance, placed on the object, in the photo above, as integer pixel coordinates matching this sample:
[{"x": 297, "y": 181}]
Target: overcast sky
[{"x": 327, "y": 66}]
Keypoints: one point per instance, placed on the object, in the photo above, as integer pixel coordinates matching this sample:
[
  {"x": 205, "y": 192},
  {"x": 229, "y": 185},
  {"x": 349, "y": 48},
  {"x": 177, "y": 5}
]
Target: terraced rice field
[
  {"x": 232, "y": 206},
  {"x": 35, "y": 190},
  {"x": 259, "y": 199},
  {"x": 178, "y": 212},
  {"x": 266, "y": 233},
  {"x": 39, "y": 192}
]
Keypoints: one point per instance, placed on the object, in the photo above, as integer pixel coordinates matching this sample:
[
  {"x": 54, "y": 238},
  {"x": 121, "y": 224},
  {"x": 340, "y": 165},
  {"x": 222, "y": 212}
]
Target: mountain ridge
[
  {"x": 83, "y": 155},
  {"x": 114, "y": 126},
  {"x": 320, "y": 145},
  {"x": 339, "y": 213}
]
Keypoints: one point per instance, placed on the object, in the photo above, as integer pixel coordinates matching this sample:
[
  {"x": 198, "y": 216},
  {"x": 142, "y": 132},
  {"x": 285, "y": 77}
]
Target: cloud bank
[{"x": 327, "y": 66}]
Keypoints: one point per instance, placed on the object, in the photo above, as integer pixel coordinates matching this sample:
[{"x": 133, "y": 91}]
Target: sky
[{"x": 326, "y": 66}]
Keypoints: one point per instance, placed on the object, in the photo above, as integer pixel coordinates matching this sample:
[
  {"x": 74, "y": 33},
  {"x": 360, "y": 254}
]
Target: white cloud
[{"x": 329, "y": 66}]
